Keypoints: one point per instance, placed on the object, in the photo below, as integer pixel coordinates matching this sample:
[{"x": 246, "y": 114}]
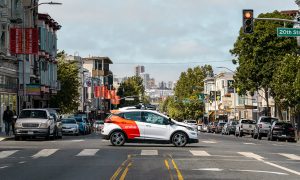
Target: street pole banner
[
  {"x": 16, "y": 38},
  {"x": 31, "y": 42}
]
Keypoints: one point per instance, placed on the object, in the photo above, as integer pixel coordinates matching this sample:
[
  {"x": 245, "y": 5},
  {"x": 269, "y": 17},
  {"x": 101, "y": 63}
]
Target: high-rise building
[
  {"x": 146, "y": 80},
  {"x": 152, "y": 83},
  {"x": 139, "y": 70}
]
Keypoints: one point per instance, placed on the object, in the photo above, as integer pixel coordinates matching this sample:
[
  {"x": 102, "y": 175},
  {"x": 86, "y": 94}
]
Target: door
[
  {"x": 133, "y": 125},
  {"x": 156, "y": 126}
]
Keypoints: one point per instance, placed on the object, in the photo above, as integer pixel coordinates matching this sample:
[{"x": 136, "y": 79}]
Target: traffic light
[{"x": 248, "y": 24}]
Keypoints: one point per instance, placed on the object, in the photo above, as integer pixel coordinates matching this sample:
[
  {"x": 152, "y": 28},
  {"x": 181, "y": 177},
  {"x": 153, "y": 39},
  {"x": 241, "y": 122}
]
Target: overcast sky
[{"x": 166, "y": 36}]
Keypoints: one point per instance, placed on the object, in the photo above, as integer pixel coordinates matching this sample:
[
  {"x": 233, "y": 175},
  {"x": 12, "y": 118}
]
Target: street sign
[
  {"x": 288, "y": 32},
  {"x": 129, "y": 99}
]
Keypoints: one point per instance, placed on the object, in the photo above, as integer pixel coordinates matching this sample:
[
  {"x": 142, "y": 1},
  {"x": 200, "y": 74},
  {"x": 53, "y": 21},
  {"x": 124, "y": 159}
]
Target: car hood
[
  {"x": 182, "y": 124},
  {"x": 31, "y": 120},
  {"x": 69, "y": 125}
]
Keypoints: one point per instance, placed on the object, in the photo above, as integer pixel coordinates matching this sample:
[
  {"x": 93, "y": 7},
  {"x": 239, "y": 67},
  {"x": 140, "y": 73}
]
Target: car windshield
[
  {"x": 268, "y": 120},
  {"x": 100, "y": 122},
  {"x": 39, "y": 114},
  {"x": 222, "y": 124},
  {"x": 191, "y": 121},
  {"x": 78, "y": 119},
  {"x": 233, "y": 123},
  {"x": 247, "y": 121},
  {"x": 284, "y": 125},
  {"x": 68, "y": 121}
]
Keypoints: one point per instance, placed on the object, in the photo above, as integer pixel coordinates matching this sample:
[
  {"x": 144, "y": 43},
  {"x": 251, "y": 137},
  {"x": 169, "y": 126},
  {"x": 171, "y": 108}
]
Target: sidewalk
[{"x": 3, "y": 136}]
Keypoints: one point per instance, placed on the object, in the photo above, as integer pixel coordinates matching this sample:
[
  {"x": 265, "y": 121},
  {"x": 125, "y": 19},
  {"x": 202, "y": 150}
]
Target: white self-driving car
[{"x": 135, "y": 125}]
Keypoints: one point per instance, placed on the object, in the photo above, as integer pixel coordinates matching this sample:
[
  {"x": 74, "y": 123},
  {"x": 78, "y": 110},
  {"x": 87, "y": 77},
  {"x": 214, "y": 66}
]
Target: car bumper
[
  {"x": 70, "y": 131},
  {"x": 193, "y": 141},
  {"x": 31, "y": 132}
]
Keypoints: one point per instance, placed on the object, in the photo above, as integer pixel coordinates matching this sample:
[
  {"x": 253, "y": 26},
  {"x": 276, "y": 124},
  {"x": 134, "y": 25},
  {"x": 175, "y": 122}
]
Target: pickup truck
[
  {"x": 263, "y": 126},
  {"x": 244, "y": 126}
]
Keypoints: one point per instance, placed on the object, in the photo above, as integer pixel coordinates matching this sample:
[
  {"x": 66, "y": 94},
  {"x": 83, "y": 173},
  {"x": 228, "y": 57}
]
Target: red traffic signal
[{"x": 248, "y": 23}]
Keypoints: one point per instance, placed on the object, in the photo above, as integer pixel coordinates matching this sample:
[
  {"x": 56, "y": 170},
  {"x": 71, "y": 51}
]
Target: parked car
[
  {"x": 81, "y": 123},
  {"x": 36, "y": 123},
  {"x": 98, "y": 125},
  {"x": 211, "y": 128},
  {"x": 200, "y": 127},
  {"x": 192, "y": 123},
  {"x": 245, "y": 126},
  {"x": 283, "y": 131},
  {"x": 204, "y": 128},
  {"x": 263, "y": 126},
  {"x": 138, "y": 125},
  {"x": 220, "y": 126},
  {"x": 58, "y": 123},
  {"x": 229, "y": 128},
  {"x": 70, "y": 126}
]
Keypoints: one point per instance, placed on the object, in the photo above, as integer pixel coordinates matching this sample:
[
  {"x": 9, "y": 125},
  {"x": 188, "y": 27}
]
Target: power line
[{"x": 189, "y": 62}]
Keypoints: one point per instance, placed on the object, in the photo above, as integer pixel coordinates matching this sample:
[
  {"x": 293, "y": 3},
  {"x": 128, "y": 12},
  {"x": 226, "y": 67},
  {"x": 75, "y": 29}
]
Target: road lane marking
[
  {"x": 251, "y": 155},
  {"x": 249, "y": 143},
  {"x": 88, "y": 152},
  {"x": 199, "y": 153},
  {"x": 149, "y": 152},
  {"x": 44, "y": 153},
  {"x": 125, "y": 171},
  {"x": 290, "y": 156},
  {"x": 169, "y": 170},
  {"x": 116, "y": 173},
  {"x": 179, "y": 175},
  {"x": 2, "y": 167},
  {"x": 259, "y": 158},
  {"x": 209, "y": 169},
  {"x": 1, "y": 139},
  {"x": 22, "y": 162},
  {"x": 77, "y": 140},
  {"x": 4, "y": 154},
  {"x": 210, "y": 142},
  {"x": 258, "y": 171},
  {"x": 283, "y": 168}
]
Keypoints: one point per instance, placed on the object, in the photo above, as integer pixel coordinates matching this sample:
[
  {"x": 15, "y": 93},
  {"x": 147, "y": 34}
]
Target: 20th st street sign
[{"x": 288, "y": 32}]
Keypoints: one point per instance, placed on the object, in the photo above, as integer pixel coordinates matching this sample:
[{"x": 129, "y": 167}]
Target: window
[
  {"x": 136, "y": 116},
  {"x": 33, "y": 114},
  {"x": 149, "y": 117}
]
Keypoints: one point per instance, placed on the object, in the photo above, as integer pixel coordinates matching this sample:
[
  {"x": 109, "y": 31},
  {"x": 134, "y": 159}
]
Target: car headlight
[
  {"x": 44, "y": 125},
  {"x": 18, "y": 125},
  {"x": 191, "y": 129}
]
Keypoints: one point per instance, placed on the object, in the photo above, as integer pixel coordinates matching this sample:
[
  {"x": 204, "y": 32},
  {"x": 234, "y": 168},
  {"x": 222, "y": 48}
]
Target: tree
[
  {"x": 67, "y": 99},
  {"x": 186, "y": 103},
  {"x": 258, "y": 54},
  {"x": 285, "y": 85},
  {"x": 132, "y": 87}
]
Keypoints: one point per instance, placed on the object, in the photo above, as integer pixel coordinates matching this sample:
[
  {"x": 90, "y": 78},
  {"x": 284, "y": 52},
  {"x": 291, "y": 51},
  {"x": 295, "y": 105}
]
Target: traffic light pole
[{"x": 277, "y": 19}]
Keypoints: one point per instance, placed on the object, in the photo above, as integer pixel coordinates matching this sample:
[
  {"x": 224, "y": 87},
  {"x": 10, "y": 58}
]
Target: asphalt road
[{"x": 89, "y": 157}]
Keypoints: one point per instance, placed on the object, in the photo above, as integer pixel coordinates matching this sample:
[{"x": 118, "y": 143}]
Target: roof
[{"x": 106, "y": 60}]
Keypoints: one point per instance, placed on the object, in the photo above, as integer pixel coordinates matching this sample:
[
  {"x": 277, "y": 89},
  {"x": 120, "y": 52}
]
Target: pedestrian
[
  {"x": 13, "y": 122},
  {"x": 7, "y": 118}
]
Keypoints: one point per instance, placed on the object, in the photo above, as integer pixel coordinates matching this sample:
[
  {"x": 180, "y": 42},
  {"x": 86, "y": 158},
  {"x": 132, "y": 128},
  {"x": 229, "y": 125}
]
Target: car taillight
[
  {"x": 276, "y": 127},
  {"x": 260, "y": 125},
  {"x": 108, "y": 120}
]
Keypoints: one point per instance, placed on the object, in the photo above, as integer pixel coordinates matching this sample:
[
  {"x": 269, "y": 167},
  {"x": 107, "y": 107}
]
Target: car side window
[
  {"x": 152, "y": 118},
  {"x": 136, "y": 116}
]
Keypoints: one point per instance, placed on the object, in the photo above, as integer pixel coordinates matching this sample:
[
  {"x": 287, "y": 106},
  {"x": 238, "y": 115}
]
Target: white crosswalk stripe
[
  {"x": 200, "y": 153},
  {"x": 149, "y": 152},
  {"x": 251, "y": 155},
  {"x": 88, "y": 152},
  {"x": 45, "y": 153},
  {"x": 4, "y": 154},
  {"x": 209, "y": 142},
  {"x": 290, "y": 156}
]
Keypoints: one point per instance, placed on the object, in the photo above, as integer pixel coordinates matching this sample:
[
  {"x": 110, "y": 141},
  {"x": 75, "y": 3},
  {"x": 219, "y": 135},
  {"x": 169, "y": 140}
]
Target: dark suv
[{"x": 283, "y": 131}]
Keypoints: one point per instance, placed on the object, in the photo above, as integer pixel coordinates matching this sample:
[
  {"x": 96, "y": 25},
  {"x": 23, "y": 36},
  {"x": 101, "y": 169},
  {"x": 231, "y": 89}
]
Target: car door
[
  {"x": 133, "y": 125},
  {"x": 156, "y": 126}
]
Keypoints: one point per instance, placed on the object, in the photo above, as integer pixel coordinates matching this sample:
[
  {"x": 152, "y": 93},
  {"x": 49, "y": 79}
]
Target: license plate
[
  {"x": 283, "y": 135},
  {"x": 29, "y": 132}
]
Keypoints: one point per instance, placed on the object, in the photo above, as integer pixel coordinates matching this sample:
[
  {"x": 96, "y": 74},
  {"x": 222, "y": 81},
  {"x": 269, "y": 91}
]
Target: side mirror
[{"x": 51, "y": 118}]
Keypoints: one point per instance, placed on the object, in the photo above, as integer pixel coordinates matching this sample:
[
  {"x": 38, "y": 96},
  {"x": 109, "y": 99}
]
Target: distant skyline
[{"x": 166, "y": 37}]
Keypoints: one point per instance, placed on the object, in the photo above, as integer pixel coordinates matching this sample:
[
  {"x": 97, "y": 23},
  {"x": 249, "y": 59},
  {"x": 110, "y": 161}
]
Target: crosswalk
[{"x": 43, "y": 153}]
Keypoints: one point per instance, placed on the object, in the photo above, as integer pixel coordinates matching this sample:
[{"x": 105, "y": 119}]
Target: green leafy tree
[
  {"x": 285, "y": 85},
  {"x": 132, "y": 87},
  {"x": 67, "y": 99},
  {"x": 258, "y": 54},
  {"x": 186, "y": 103}
]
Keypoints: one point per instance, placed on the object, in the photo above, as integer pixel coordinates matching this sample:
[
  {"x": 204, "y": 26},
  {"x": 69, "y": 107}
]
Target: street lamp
[
  {"x": 234, "y": 103},
  {"x": 23, "y": 40}
]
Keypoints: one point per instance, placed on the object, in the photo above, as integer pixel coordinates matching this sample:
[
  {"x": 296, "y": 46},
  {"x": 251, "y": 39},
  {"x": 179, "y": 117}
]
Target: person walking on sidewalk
[{"x": 7, "y": 118}]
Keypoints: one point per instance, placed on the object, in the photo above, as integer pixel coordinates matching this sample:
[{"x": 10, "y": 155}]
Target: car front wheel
[
  {"x": 179, "y": 139},
  {"x": 117, "y": 138}
]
